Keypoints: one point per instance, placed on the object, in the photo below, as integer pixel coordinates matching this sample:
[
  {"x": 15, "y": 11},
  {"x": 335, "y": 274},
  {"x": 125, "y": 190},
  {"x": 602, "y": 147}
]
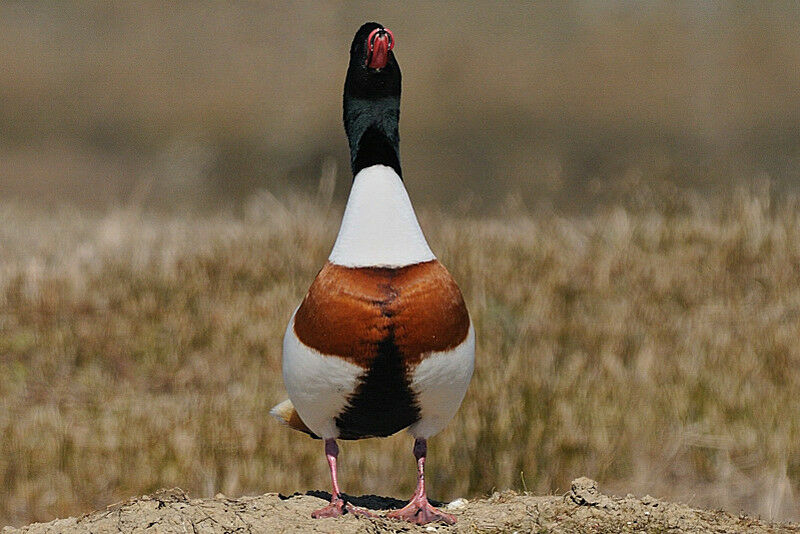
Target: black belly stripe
[{"x": 383, "y": 403}]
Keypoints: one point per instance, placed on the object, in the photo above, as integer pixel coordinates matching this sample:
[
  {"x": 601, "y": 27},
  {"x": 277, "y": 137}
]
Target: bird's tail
[{"x": 286, "y": 414}]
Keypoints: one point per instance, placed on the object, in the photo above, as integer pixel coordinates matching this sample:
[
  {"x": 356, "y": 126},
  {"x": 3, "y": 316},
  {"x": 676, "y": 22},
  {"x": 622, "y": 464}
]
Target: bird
[{"x": 383, "y": 340}]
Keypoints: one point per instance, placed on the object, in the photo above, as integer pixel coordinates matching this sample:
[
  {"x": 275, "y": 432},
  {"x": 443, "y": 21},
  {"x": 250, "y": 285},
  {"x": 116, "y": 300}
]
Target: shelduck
[{"x": 383, "y": 340}]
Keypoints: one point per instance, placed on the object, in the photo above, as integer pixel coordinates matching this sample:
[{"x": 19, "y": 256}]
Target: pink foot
[
  {"x": 338, "y": 508},
  {"x": 420, "y": 511}
]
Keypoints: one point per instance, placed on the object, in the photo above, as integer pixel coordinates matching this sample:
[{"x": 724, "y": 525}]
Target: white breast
[
  {"x": 440, "y": 382},
  {"x": 379, "y": 226},
  {"x": 318, "y": 385}
]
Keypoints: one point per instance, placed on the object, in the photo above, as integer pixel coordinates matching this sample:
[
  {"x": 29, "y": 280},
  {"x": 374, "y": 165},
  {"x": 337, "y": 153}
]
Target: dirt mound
[{"x": 583, "y": 509}]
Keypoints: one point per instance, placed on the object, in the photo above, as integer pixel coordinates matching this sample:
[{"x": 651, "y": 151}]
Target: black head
[
  {"x": 373, "y": 69},
  {"x": 372, "y": 99}
]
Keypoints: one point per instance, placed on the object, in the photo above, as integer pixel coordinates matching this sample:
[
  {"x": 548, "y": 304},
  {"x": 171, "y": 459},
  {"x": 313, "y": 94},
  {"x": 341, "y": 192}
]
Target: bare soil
[{"x": 582, "y": 510}]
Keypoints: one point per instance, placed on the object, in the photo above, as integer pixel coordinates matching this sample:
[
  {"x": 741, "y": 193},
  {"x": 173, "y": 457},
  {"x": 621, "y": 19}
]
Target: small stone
[
  {"x": 584, "y": 491},
  {"x": 220, "y": 496},
  {"x": 430, "y": 529},
  {"x": 458, "y": 504}
]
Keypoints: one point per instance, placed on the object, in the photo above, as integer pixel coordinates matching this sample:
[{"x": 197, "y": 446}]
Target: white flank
[
  {"x": 318, "y": 385},
  {"x": 379, "y": 226},
  {"x": 440, "y": 382}
]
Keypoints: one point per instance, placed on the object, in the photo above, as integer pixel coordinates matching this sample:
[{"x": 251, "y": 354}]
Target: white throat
[{"x": 379, "y": 226}]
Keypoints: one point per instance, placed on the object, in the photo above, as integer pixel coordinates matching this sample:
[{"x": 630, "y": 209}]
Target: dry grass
[
  {"x": 654, "y": 352},
  {"x": 653, "y": 348}
]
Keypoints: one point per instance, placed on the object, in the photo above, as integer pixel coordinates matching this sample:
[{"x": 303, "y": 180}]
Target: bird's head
[
  {"x": 373, "y": 71},
  {"x": 372, "y": 99}
]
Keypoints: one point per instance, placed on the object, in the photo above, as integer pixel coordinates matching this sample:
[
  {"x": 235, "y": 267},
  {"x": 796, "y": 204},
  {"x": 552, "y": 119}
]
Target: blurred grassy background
[
  {"x": 613, "y": 185},
  {"x": 566, "y": 104},
  {"x": 654, "y": 352}
]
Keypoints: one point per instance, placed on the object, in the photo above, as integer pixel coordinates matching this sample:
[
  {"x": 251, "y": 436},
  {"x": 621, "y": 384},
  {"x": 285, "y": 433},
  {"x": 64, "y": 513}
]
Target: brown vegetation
[
  {"x": 626, "y": 330},
  {"x": 656, "y": 352}
]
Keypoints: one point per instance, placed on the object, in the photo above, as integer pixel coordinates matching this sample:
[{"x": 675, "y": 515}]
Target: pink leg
[
  {"x": 419, "y": 510},
  {"x": 338, "y": 506}
]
